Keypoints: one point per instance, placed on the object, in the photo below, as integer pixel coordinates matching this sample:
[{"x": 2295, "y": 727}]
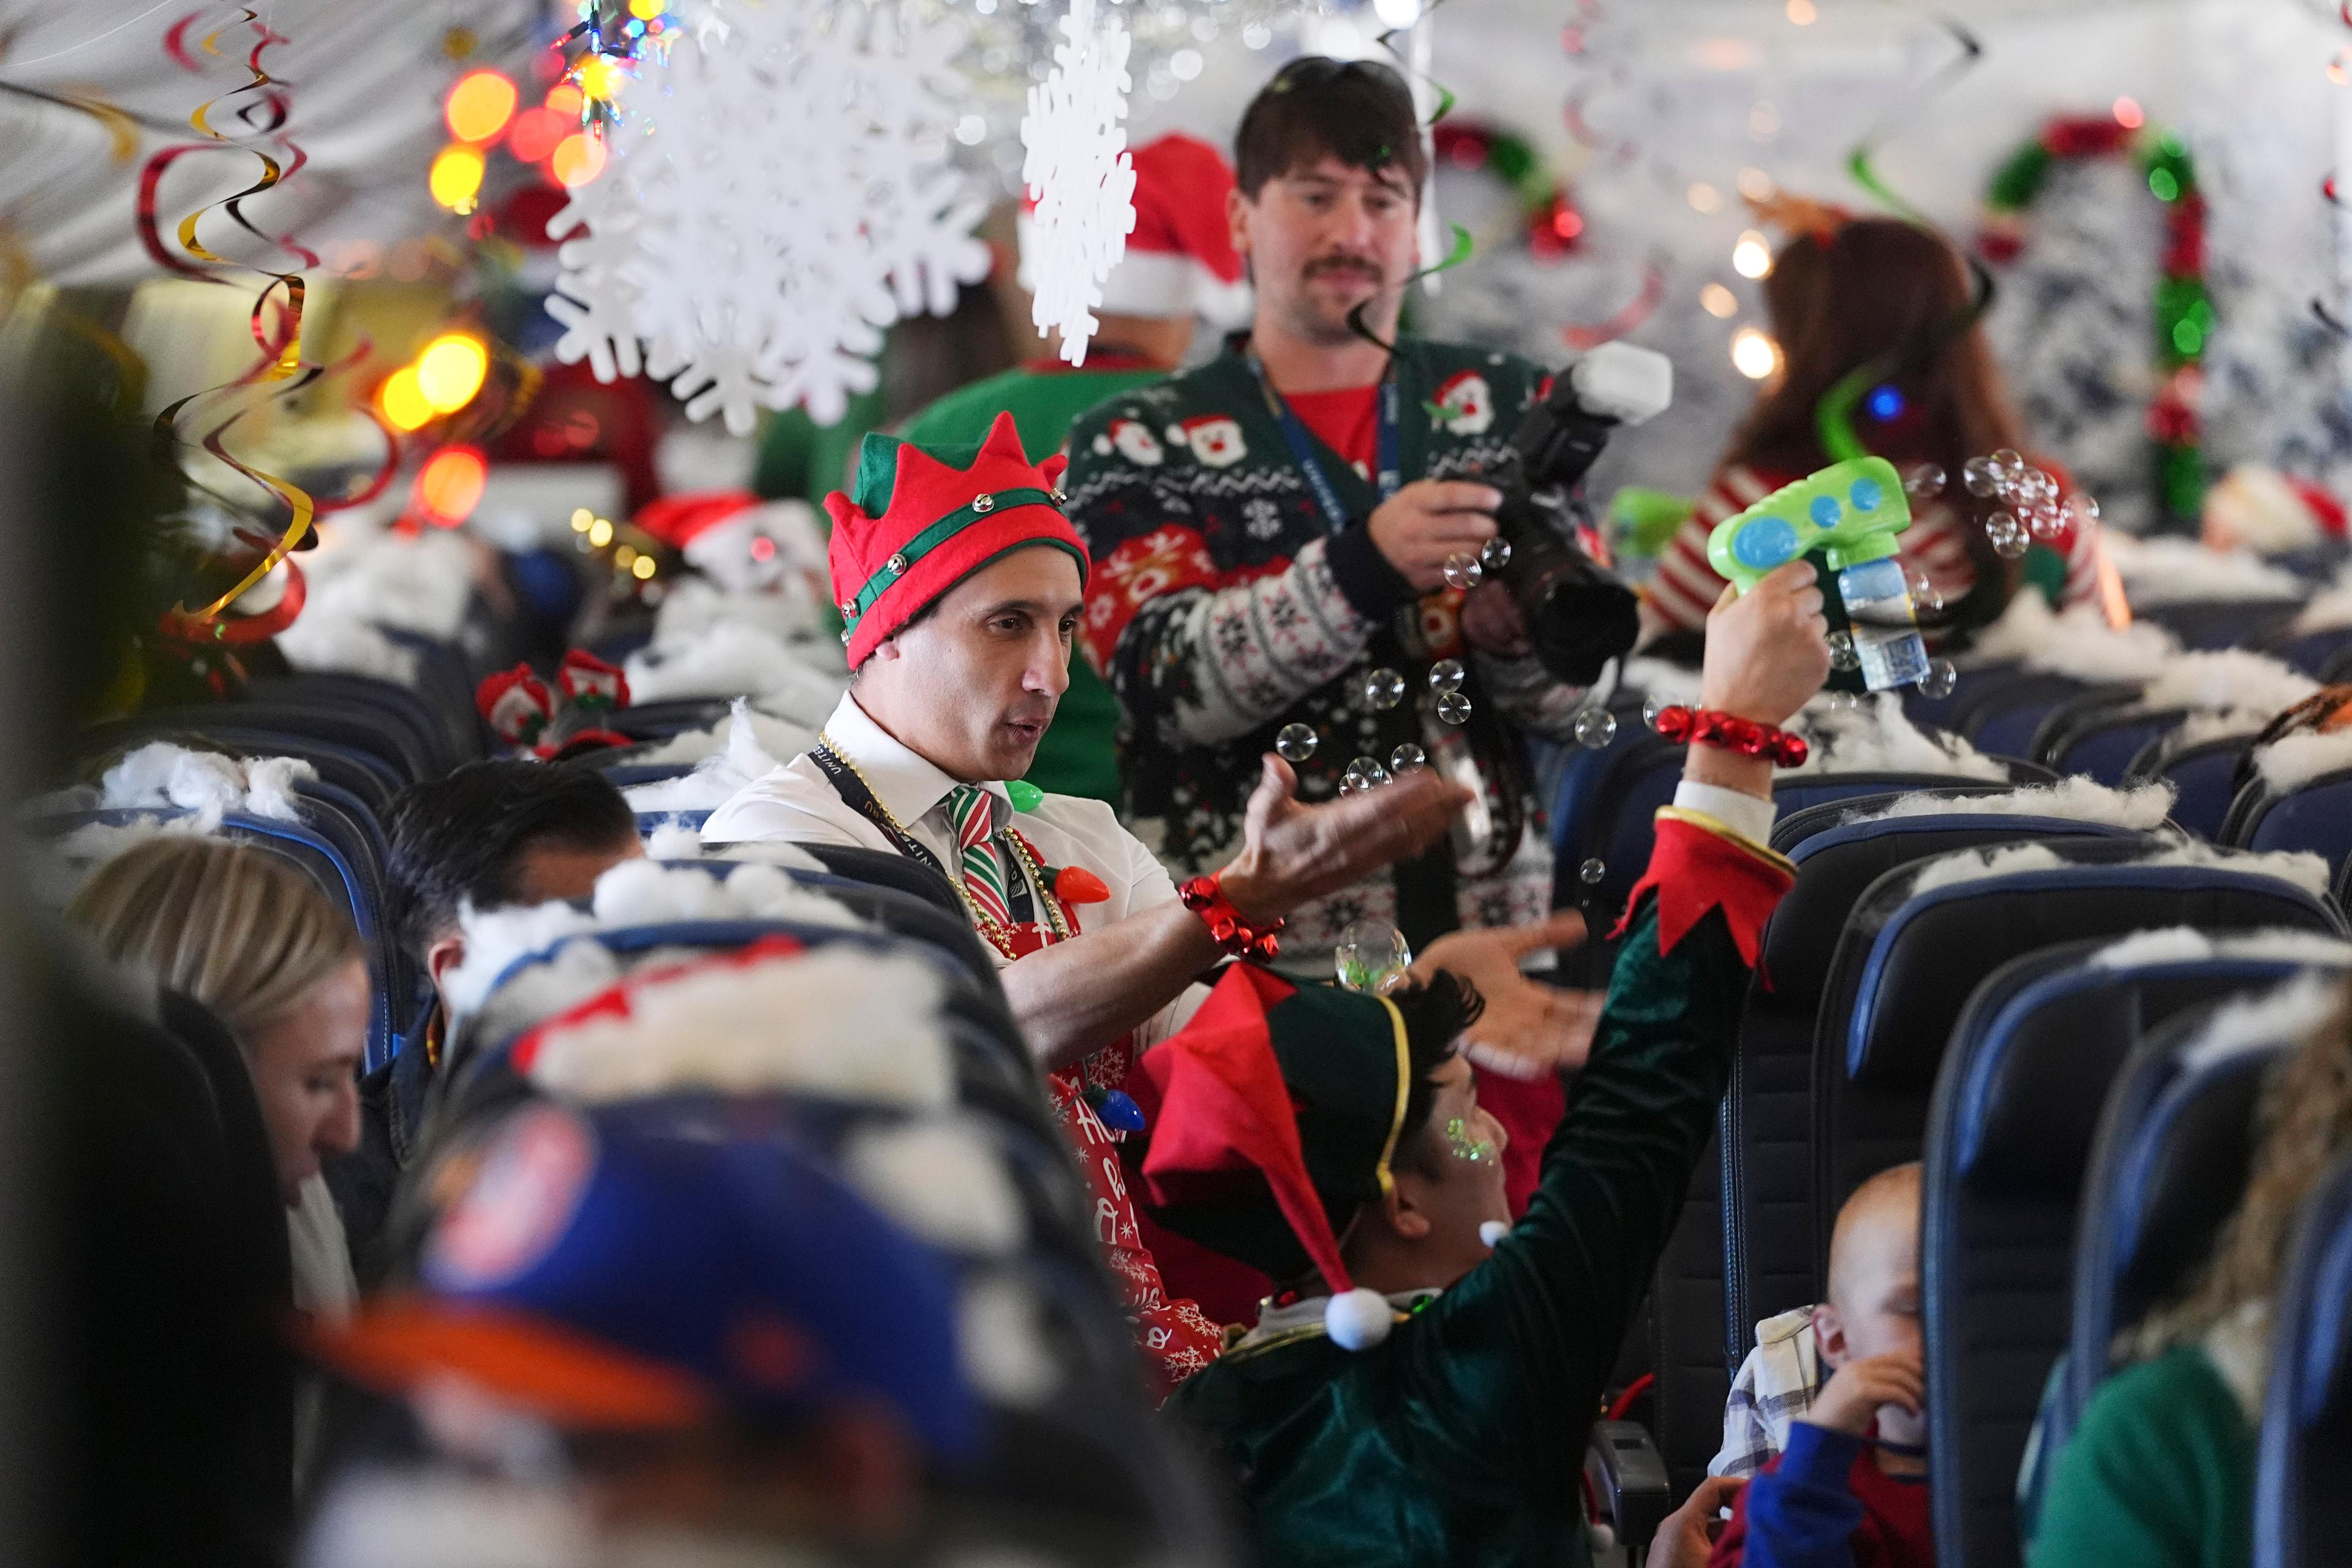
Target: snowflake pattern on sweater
[{"x": 1223, "y": 607}]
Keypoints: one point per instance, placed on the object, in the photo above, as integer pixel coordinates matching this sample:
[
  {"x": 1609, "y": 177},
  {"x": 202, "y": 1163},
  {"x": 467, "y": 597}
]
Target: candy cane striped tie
[{"x": 983, "y": 874}]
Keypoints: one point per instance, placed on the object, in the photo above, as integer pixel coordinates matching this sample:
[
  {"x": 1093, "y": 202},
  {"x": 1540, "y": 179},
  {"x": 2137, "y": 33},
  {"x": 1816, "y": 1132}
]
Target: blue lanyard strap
[{"x": 1389, "y": 475}]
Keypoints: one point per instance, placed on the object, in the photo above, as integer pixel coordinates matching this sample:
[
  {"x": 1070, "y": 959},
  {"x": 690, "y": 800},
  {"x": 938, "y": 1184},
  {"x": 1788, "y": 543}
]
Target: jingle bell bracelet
[
  {"x": 1205, "y": 897},
  {"x": 1707, "y": 726}
]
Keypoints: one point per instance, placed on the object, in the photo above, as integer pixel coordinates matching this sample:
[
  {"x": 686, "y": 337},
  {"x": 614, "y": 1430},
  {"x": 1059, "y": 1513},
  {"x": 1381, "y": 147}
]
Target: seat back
[
  {"x": 2315, "y": 814},
  {"x": 2203, "y": 776},
  {"x": 1908, "y": 959},
  {"x": 2098, "y": 739},
  {"x": 2310, "y": 652},
  {"x": 2302, "y": 1510},
  {"x": 2201, "y": 624},
  {"x": 2006, "y": 716},
  {"x": 2015, "y": 1110}
]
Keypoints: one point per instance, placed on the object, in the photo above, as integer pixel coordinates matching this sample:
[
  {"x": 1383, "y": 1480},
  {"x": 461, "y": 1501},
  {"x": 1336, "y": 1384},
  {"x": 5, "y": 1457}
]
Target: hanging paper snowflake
[
  {"x": 1079, "y": 176},
  {"x": 772, "y": 199}
]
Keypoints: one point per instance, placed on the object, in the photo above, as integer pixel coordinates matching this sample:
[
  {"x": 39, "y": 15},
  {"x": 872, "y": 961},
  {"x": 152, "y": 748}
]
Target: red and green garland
[
  {"x": 1553, "y": 223},
  {"x": 2184, "y": 311}
]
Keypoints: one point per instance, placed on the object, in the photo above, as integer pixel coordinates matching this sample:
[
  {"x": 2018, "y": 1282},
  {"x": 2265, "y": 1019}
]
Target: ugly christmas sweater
[{"x": 1224, "y": 606}]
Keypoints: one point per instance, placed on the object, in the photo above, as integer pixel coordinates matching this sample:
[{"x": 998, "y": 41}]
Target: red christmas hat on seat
[
  {"x": 1274, "y": 1110},
  {"x": 679, "y": 520},
  {"x": 923, "y": 519}
]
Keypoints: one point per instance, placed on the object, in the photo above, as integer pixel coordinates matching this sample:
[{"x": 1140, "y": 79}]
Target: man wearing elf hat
[
  {"x": 960, "y": 586},
  {"x": 1180, "y": 267},
  {"x": 1274, "y": 536},
  {"x": 1422, "y": 1391}
]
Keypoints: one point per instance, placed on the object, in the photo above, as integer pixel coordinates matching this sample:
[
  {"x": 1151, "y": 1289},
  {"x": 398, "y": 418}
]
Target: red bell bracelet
[
  {"x": 1706, "y": 727},
  {"x": 1205, "y": 897}
]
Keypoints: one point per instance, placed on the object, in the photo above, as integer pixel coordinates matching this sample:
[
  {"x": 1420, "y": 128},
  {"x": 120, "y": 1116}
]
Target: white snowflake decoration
[
  {"x": 772, "y": 197},
  {"x": 1079, "y": 175}
]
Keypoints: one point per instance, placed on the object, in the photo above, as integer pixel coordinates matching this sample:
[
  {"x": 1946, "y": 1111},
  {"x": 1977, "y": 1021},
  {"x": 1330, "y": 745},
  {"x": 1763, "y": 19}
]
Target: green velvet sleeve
[
  {"x": 1514, "y": 1358},
  {"x": 2160, "y": 1474}
]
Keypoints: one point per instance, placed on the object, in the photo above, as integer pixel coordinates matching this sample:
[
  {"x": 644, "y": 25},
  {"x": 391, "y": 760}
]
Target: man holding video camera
[{"x": 1286, "y": 537}]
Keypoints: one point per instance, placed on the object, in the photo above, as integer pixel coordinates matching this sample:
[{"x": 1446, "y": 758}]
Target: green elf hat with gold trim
[{"x": 923, "y": 519}]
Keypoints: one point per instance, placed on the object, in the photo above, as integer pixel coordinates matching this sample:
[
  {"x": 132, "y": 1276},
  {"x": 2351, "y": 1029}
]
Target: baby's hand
[{"x": 1850, "y": 1402}]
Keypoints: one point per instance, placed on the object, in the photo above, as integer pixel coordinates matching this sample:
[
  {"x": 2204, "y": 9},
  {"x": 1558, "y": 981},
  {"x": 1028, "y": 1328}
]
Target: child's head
[{"x": 1873, "y": 1295}]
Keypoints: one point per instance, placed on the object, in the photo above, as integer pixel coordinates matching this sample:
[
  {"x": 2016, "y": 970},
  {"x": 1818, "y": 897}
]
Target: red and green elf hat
[
  {"x": 1273, "y": 1116},
  {"x": 923, "y": 519}
]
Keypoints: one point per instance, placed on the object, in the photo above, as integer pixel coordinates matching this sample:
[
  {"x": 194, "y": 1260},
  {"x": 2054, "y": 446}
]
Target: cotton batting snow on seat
[
  {"x": 2289, "y": 1013},
  {"x": 209, "y": 783},
  {"x": 2172, "y": 571},
  {"x": 715, "y": 779},
  {"x": 2300, "y": 868},
  {"x": 2078, "y": 644},
  {"x": 732, "y": 659},
  {"x": 1876, "y": 736},
  {"x": 2293, "y": 761},
  {"x": 2187, "y": 944},
  {"x": 2140, "y": 807},
  {"x": 2225, "y": 678},
  {"x": 775, "y": 737}
]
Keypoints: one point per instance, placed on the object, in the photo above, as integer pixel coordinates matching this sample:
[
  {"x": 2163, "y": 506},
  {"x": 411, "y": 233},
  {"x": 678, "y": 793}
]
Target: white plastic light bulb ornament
[
  {"x": 1492, "y": 1232},
  {"x": 1359, "y": 1319}
]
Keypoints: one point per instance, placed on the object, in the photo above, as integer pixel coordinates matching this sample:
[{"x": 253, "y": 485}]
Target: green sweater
[
  {"x": 2160, "y": 1475},
  {"x": 1460, "y": 1440},
  {"x": 1079, "y": 754}
]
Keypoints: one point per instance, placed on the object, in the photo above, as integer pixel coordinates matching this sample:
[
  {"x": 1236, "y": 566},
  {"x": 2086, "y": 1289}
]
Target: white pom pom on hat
[{"x": 1358, "y": 1320}]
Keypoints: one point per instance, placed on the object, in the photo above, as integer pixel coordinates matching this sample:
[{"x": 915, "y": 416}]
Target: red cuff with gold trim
[{"x": 1698, "y": 864}]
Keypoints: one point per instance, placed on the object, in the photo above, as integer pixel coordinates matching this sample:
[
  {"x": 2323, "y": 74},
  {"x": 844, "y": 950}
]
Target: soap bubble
[
  {"x": 1463, "y": 572},
  {"x": 1294, "y": 743},
  {"x": 1373, "y": 956},
  {"x": 1844, "y": 701},
  {"x": 2009, "y": 465},
  {"x": 1406, "y": 758},
  {"x": 1445, "y": 675},
  {"x": 1924, "y": 594},
  {"x": 1595, "y": 727},
  {"x": 2045, "y": 520},
  {"x": 1939, "y": 678},
  {"x": 1651, "y": 707},
  {"x": 1980, "y": 476},
  {"x": 1383, "y": 688},
  {"x": 1453, "y": 708},
  {"x": 1924, "y": 482},
  {"x": 1496, "y": 555},
  {"x": 1591, "y": 873},
  {"x": 1367, "y": 770},
  {"x": 2008, "y": 536},
  {"x": 1842, "y": 653},
  {"x": 2084, "y": 508}
]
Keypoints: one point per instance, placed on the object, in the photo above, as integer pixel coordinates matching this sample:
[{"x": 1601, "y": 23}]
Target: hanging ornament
[
  {"x": 1078, "y": 173},
  {"x": 749, "y": 280}
]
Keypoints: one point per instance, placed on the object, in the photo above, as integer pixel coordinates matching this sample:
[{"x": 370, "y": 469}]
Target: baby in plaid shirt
[{"x": 1777, "y": 1384}]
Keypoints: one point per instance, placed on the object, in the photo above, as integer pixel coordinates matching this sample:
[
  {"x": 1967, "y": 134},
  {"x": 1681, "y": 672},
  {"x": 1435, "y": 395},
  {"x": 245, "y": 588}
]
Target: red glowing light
[
  {"x": 449, "y": 487},
  {"x": 2128, "y": 113}
]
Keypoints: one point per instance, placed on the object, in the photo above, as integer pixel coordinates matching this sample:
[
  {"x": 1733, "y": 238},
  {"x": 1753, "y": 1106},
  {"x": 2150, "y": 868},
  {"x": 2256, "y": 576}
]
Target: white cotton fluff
[
  {"x": 833, "y": 1022},
  {"x": 2079, "y": 643},
  {"x": 694, "y": 605},
  {"x": 731, "y": 660},
  {"x": 2184, "y": 944},
  {"x": 2292, "y": 761},
  {"x": 57, "y": 870},
  {"x": 2288, "y": 1012},
  {"x": 495, "y": 938},
  {"x": 420, "y": 582},
  {"x": 673, "y": 840},
  {"x": 940, "y": 1178},
  {"x": 717, "y": 777},
  {"x": 2172, "y": 571},
  {"x": 1666, "y": 682},
  {"x": 2306, "y": 871},
  {"x": 776, "y": 737},
  {"x": 2226, "y": 677},
  {"x": 2142, "y": 808},
  {"x": 346, "y": 647},
  {"x": 208, "y": 784},
  {"x": 2219, "y": 724},
  {"x": 2328, "y": 608},
  {"x": 1000, "y": 1340},
  {"x": 1876, "y": 736},
  {"x": 770, "y": 851},
  {"x": 647, "y": 892},
  {"x": 576, "y": 971}
]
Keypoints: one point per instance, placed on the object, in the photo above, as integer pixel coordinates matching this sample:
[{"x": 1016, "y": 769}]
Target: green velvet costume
[{"x": 1460, "y": 1439}]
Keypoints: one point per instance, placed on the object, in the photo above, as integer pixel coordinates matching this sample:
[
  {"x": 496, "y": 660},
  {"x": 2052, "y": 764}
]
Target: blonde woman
[
  {"x": 255, "y": 940},
  {"x": 2161, "y": 1473}
]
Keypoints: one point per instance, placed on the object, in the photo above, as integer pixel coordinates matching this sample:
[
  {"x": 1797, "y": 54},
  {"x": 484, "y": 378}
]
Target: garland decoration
[
  {"x": 2184, "y": 310},
  {"x": 1552, "y": 222}
]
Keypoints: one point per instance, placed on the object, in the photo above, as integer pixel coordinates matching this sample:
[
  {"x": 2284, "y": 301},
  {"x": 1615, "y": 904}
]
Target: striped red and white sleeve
[{"x": 1685, "y": 587}]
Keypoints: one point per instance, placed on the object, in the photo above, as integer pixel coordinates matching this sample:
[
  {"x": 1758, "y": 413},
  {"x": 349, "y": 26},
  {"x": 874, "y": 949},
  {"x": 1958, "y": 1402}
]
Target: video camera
[{"x": 1578, "y": 618}]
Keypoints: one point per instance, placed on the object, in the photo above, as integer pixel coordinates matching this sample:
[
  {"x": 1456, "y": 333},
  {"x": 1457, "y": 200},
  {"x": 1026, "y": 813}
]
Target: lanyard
[
  {"x": 1387, "y": 471},
  {"x": 860, "y": 799}
]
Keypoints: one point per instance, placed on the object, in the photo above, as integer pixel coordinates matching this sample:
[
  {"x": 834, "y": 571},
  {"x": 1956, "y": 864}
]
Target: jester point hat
[
  {"x": 1273, "y": 1116},
  {"x": 923, "y": 519},
  {"x": 638, "y": 1268}
]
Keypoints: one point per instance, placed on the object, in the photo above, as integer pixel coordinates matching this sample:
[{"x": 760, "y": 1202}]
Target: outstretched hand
[
  {"x": 1528, "y": 1029},
  {"x": 1292, "y": 852},
  {"x": 1686, "y": 1536}
]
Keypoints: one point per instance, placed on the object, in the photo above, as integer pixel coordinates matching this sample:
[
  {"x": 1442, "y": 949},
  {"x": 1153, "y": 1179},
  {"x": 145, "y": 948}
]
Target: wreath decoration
[{"x": 1551, "y": 221}]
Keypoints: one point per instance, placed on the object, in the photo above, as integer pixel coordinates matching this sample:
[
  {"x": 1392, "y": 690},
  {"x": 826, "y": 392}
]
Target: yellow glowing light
[
  {"x": 456, "y": 178},
  {"x": 626, "y": 556},
  {"x": 600, "y": 77},
  {"x": 577, "y": 159},
  {"x": 647, "y": 10},
  {"x": 1752, "y": 256},
  {"x": 564, "y": 98},
  {"x": 480, "y": 106},
  {"x": 1717, "y": 300},
  {"x": 581, "y": 518},
  {"x": 1754, "y": 354},
  {"x": 600, "y": 533},
  {"x": 450, "y": 371},
  {"x": 402, "y": 401},
  {"x": 1801, "y": 12},
  {"x": 644, "y": 568},
  {"x": 1705, "y": 197}
]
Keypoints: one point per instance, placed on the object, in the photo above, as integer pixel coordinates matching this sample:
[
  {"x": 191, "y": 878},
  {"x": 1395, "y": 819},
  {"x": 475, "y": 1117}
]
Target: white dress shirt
[{"x": 796, "y": 802}]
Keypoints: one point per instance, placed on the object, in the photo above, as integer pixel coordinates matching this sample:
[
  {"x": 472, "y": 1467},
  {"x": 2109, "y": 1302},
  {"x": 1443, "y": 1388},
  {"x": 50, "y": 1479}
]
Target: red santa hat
[
  {"x": 677, "y": 520},
  {"x": 1180, "y": 260},
  {"x": 922, "y": 520}
]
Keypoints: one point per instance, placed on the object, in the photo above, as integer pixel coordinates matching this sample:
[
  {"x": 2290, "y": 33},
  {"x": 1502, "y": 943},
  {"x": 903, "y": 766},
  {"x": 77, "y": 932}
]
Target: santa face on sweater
[
  {"x": 1215, "y": 438},
  {"x": 1465, "y": 404},
  {"x": 1132, "y": 440}
]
